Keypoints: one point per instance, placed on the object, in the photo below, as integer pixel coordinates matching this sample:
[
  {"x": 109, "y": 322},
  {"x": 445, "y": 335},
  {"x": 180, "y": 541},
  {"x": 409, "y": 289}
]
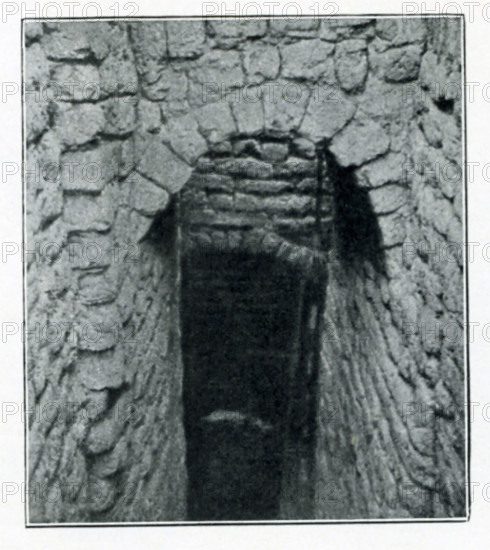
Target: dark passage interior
[
  {"x": 256, "y": 217},
  {"x": 242, "y": 320}
]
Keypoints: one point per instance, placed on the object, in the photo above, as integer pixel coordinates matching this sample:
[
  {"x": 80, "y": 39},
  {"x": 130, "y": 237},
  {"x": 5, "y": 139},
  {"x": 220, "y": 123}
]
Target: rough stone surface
[
  {"x": 147, "y": 198},
  {"x": 90, "y": 213},
  {"x": 164, "y": 167},
  {"x": 351, "y": 64},
  {"x": 149, "y": 42},
  {"x": 229, "y": 34},
  {"x": 402, "y": 64},
  {"x": 308, "y": 59},
  {"x": 360, "y": 142},
  {"x": 183, "y": 134},
  {"x": 215, "y": 122},
  {"x": 120, "y": 116},
  {"x": 75, "y": 82},
  {"x": 326, "y": 116},
  {"x": 215, "y": 75},
  {"x": 284, "y": 106},
  {"x": 248, "y": 113},
  {"x": 101, "y": 370},
  {"x": 89, "y": 171},
  {"x": 185, "y": 38},
  {"x": 79, "y": 123},
  {"x": 167, "y": 108},
  {"x": 261, "y": 62}
]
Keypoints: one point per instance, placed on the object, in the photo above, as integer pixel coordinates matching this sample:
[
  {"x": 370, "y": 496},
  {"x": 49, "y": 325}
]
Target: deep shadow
[
  {"x": 239, "y": 328},
  {"x": 356, "y": 226}
]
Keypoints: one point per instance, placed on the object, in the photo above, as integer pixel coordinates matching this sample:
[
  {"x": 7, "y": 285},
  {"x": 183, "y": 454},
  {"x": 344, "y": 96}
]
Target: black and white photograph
[{"x": 244, "y": 272}]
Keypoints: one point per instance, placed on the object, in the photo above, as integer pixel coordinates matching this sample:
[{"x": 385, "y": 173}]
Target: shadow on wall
[{"x": 357, "y": 234}]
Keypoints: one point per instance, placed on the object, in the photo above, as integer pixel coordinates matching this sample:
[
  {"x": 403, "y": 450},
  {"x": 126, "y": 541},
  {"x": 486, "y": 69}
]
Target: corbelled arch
[{"x": 168, "y": 157}]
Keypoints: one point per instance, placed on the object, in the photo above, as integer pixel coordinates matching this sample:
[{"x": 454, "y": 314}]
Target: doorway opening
[
  {"x": 248, "y": 354},
  {"x": 255, "y": 217}
]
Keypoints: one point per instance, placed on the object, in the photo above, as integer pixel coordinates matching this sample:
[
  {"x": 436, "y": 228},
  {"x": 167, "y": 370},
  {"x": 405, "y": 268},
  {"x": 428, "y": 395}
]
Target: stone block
[
  {"x": 37, "y": 117},
  {"x": 242, "y": 167},
  {"x": 295, "y": 168},
  {"x": 386, "y": 100},
  {"x": 228, "y": 34},
  {"x": 33, "y": 30},
  {"x": 261, "y": 62},
  {"x": 211, "y": 182},
  {"x": 295, "y": 27},
  {"x": 274, "y": 151},
  {"x": 388, "y": 198},
  {"x": 443, "y": 217},
  {"x": 146, "y": 197},
  {"x": 51, "y": 201},
  {"x": 284, "y": 105},
  {"x": 170, "y": 89},
  {"x": 149, "y": 43},
  {"x": 183, "y": 135},
  {"x": 451, "y": 139},
  {"x": 118, "y": 70},
  {"x": 221, "y": 201},
  {"x": 90, "y": 251},
  {"x": 80, "y": 40},
  {"x": 100, "y": 495},
  {"x": 402, "y": 64},
  {"x": 392, "y": 228},
  {"x": 108, "y": 464},
  {"x": 440, "y": 80},
  {"x": 37, "y": 73},
  {"x": 185, "y": 38},
  {"x": 148, "y": 116},
  {"x": 140, "y": 225},
  {"x": 69, "y": 41},
  {"x": 308, "y": 59},
  {"x": 246, "y": 146},
  {"x": 89, "y": 171},
  {"x": 399, "y": 30},
  {"x": 431, "y": 128},
  {"x": 248, "y": 113},
  {"x": 351, "y": 64},
  {"x": 79, "y": 123},
  {"x": 359, "y": 142},
  {"x": 162, "y": 166},
  {"x": 120, "y": 114},
  {"x": 102, "y": 436},
  {"x": 282, "y": 204},
  {"x": 98, "y": 328},
  {"x": 304, "y": 147},
  {"x": 214, "y": 76},
  {"x": 43, "y": 162},
  {"x": 96, "y": 289},
  {"x": 215, "y": 121},
  {"x": 90, "y": 212},
  {"x": 263, "y": 187},
  {"x": 75, "y": 82},
  {"x": 388, "y": 169},
  {"x": 326, "y": 116}
]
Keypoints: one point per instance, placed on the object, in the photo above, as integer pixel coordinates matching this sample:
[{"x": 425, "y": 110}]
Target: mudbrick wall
[{"x": 120, "y": 116}]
